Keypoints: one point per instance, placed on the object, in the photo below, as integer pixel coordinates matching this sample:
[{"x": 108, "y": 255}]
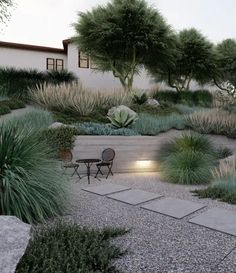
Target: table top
[{"x": 88, "y": 160}]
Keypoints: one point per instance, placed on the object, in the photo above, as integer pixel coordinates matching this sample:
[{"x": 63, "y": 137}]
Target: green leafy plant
[
  {"x": 104, "y": 129},
  {"x": 121, "y": 116},
  {"x": 66, "y": 248},
  {"x": 139, "y": 97},
  {"x": 167, "y": 96},
  {"x": 162, "y": 109},
  {"x": 14, "y": 103},
  {"x": 203, "y": 98},
  {"x": 61, "y": 138},
  {"x": 32, "y": 187},
  {"x": 223, "y": 152},
  {"x": 4, "y": 109}
]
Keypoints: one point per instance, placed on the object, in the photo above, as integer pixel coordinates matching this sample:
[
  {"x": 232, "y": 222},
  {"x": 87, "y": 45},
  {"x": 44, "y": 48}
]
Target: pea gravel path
[{"x": 156, "y": 243}]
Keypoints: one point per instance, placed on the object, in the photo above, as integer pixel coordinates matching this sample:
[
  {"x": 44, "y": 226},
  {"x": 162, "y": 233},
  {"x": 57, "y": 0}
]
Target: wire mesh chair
[
  {"x": 67, "y": 163},
  {"x": 108, "y": 156}
]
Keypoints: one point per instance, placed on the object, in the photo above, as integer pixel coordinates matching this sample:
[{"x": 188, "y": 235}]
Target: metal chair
[
  {"x": 67, "y": 163},
  {"x": 108, "y": 156}
]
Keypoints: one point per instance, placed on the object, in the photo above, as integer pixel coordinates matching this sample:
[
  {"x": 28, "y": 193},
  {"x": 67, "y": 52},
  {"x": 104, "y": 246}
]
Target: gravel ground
[{"x": 156, "y": 243}]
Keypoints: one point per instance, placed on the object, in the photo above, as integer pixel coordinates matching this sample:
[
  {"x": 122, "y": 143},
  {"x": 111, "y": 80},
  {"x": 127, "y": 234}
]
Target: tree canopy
[
  {"x": 194, "y": 59},
  {"x": 123, "y": 36}
]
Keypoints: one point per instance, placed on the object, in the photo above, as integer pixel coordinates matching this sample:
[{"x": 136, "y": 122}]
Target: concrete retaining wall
[{"x": 133, "y": 153}]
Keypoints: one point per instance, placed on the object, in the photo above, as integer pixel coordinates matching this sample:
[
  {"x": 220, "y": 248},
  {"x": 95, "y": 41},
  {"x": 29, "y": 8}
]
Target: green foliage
[
  {"x": 162, "y": 109},
  {"x": 193, "y": 59},
  {"x": 223, "y": 189},
  {"x": 13, "y": 103},
  {"x": 61, "y": 138},
  {"x": 226, "y": 65},
  {"x": 187, "y": 167},
  {"x": 17, "y": 82},
  {"x": 32, "y": 187},
  {"x": 132, "y": 34},
  {"x": 153, "y": 125},
  {"x": 188, "y": 159},
  {"x": 67, "y": 248},
  {"x": 4, "y": 109},
  {"x": 213, "y": 121},
  {"x": 193, "y": 98},
  {"x": 105, "y": 129},
  {"x": 139, "y": 97},
  {"x": 4, "y": 10},
  {"x": 122, "y": 116},
  {"x": 188, "y": 142},
  {"x": 70, "y": 118}
]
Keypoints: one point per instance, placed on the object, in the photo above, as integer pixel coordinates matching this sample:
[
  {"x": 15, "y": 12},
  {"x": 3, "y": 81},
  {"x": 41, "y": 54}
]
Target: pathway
[
  {"x": 16, "y": 113},
  {"x": 161, "y": 241}
]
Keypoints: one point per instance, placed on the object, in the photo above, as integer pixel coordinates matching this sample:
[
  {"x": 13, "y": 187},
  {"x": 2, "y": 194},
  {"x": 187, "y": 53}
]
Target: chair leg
[
  {"x": 99, "y": 171},
  {"x": 109, "y": 171},
  {"x": 76, "y": 172}
]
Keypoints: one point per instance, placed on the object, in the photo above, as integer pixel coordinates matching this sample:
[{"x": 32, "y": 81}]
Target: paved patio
[{"x": 157, "y": 243}]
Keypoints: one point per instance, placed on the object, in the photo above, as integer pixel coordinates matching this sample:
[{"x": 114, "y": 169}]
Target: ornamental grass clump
[
  {"x": 223, "y": 186},
  {"x": 74, "y": 98},
  {"x": 188, "y": 159},
  {"x": 67, "y": 248},
  {"x": 31, "y": 185},
  {"x": 213, "y": 121}
]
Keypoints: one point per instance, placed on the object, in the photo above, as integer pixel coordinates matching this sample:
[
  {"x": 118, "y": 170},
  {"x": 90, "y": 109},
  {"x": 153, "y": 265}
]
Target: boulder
[
  {"x": 14, "y": 237},
  {"x": 152, "y": 102},
  {"x": 56, "y": 125}
]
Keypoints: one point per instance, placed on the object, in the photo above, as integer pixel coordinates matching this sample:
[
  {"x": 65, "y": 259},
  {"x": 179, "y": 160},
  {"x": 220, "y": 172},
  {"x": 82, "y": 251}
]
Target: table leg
[{"x": 88, "y": 172}]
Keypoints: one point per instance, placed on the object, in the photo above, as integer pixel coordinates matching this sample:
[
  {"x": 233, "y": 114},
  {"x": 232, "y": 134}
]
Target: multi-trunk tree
[{"x": 123, "y": 36}]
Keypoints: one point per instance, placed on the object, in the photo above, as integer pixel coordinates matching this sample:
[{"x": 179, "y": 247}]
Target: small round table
[{"x": 88, "y": 163}]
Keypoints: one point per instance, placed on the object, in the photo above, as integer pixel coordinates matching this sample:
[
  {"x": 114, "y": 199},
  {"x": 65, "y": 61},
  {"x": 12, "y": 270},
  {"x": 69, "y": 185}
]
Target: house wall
[
  {"x": 93, "y": 79},
  {"x": 27, "y": 59}
]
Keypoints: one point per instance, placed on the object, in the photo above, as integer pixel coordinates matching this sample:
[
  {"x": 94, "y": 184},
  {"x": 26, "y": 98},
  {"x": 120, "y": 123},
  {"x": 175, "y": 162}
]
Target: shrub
[
  {"x": 73, "y": 98},
  {"x": 139, "y": 97},
  {"x": 213, "y": 121},
  {"x": 186, "y": 109},
  {"x": 149, "y": 125},
  {"x": 186, "y": 97},
  {"x": 32, "y": 187},
  {"x": 70, "y": 248},
  {"x": 162, "y": 109},
  {"x": 17, "y": 82},
  {"x": 61, "y": 138},
  {"x": 167, "y": 96},
  {"x": 104, "y": 129},
  {"x": 203, "y": 98},
  {"x": 4, "y": 109},
  {"x": 14, "y": 103},
  {"x": 188, "y": 142},
  {"x": 188, "y": 159},
  {"x": 121, "y": 116},
  {"x": 223, "y": 152},
  {"x": 187, "y": 167}
]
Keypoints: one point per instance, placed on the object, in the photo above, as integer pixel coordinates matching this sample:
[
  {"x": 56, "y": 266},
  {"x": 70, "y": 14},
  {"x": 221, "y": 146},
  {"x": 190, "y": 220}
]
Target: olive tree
[
  {"x": 194, "y": 59},
  {"x": 123, "y": 36}
]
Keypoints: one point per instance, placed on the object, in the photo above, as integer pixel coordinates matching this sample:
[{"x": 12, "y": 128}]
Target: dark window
[
  {"x": 59, "y": 64},
  {"x": 83, "y": 60},
  {"x": 50, "y": 64}
]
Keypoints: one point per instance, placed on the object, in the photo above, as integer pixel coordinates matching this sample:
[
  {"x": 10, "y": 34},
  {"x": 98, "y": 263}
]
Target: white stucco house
[{"x": 69, "y": 57}]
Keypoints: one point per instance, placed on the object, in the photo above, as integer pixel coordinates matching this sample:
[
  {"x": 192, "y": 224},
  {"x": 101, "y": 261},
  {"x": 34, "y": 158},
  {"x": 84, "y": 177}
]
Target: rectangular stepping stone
[
  {"x": 176, "y": 208},
  {"x": 105, "y": 189},
  {"x": 134, "y": 197},
  {"x": 218, "y": 219}
]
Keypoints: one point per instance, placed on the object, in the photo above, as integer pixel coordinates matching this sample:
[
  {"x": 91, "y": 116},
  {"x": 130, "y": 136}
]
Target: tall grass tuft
[
  {"x": 31, "y": 185},
  {"x": 213, "y": 121},
  {"x": 188, "y": 159},
  {"x": 75, "y": 98}
]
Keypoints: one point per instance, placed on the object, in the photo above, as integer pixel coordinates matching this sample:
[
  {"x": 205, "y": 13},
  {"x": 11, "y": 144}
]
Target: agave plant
[{"x": 121, "y": 116}]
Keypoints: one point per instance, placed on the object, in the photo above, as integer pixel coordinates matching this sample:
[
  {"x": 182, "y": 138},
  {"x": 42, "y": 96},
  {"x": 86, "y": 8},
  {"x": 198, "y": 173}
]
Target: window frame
[
  {"x": 53, "y": 61},
  {"x": 83, "y": 59},
  {"x": 62, "y": 65}
]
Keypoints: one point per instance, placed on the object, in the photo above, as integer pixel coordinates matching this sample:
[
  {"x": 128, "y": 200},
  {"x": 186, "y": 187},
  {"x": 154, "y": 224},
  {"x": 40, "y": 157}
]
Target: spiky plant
[{"x": 31, "y": 185}]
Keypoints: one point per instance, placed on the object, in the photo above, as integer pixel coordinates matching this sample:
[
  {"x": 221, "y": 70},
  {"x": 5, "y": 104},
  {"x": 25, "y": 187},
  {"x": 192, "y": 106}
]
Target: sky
[{"x": 48, "y": 22}]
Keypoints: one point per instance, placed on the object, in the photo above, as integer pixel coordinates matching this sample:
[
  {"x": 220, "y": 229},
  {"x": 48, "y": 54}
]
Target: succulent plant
[{"x": 121, "y": 116}]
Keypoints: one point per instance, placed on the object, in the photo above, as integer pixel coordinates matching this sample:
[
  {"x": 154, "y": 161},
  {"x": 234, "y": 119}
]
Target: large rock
[
  {"x": 152, "y": 102},
  {"x": 14, "y": 237}
]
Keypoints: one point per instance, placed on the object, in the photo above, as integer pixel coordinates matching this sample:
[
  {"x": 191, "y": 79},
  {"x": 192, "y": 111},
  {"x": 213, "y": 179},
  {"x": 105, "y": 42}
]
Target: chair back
[{"x": 108, "y": 155}]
